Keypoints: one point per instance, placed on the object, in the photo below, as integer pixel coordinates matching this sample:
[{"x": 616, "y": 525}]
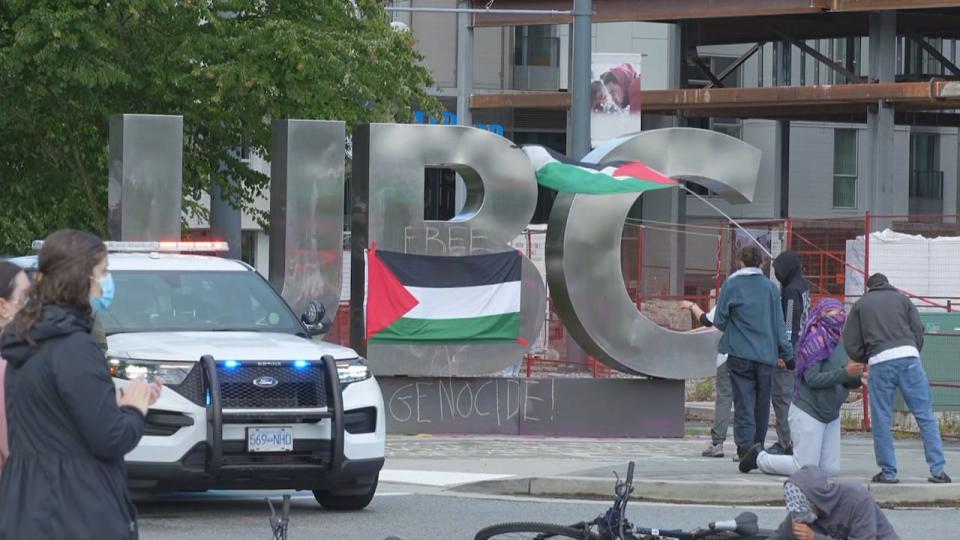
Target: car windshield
[{"x": 195, "y": 301}]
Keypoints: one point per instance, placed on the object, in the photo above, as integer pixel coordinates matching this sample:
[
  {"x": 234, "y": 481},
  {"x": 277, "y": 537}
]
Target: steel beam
[
  {"x": 820, "y": 57},
  {"x": 880, "y": 178},
  {"x": 582, "y": 96},
  {"x": 714, "y": 80},
  {"x": 468, "y": 11},
  {"x": 944, "y": 61},
  {"x": 806, "y": 100},
  {"x": 781, "y": 186},
  {"x": 464, "y": 89},
  {"x": 649, "y": 10},
  {"x": 738, "y": 62},
  {"x": 883, "y": 5}
]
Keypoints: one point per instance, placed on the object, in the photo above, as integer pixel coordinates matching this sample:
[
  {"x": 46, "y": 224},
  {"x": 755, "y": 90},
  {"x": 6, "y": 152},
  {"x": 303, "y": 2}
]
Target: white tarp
[{"x": 922, "y": 266}]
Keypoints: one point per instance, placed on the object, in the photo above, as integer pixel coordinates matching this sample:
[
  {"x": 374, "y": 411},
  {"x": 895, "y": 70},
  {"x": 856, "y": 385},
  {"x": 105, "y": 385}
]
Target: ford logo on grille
[{"x": 265, "y": 382}]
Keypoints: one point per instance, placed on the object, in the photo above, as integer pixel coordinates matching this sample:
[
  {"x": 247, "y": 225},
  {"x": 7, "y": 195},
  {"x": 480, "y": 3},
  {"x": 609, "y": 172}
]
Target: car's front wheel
[{"x": 351, "y": 500}]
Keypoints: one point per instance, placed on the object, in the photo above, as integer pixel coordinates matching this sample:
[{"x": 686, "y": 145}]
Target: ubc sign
[{"x": 583, "y": 237}]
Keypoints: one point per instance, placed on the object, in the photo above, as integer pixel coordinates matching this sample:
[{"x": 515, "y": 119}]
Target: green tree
[{"x": 227, "y": 66}]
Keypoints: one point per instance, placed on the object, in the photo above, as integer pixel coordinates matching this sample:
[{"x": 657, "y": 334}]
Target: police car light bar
[{"x": 159, "y": 247}]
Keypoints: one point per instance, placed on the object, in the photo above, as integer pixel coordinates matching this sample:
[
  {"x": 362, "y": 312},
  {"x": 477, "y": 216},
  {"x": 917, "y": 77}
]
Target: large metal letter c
[{"x": 583, "y": 252}]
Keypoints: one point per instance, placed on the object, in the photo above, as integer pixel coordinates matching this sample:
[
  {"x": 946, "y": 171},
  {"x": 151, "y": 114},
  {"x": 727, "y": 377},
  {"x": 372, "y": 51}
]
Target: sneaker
[
  {"x": 715, "y": 449},
  {"x": 941, "y": 478},
  {"x": 749, "y": 460},
  {"x": 777, "y": 449},
  {"x": 881, "y": 478}
]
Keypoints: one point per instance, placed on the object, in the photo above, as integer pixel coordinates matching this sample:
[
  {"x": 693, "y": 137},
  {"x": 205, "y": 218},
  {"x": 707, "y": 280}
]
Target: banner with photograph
[{"x": 615, "y": 84}]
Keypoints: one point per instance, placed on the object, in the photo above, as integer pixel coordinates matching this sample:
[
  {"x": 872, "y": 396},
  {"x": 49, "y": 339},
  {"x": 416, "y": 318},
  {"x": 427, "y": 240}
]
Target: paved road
[{"x": 423, "y": 513}]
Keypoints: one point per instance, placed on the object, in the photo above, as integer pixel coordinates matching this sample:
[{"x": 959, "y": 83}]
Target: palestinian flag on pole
[
  {"x": 423, "y": 298},
  {"x": 556, "y": 171}
]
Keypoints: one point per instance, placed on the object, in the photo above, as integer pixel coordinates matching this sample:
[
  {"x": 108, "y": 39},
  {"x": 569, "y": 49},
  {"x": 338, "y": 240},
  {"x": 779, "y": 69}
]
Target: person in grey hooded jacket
[{"x": 821, "y": 510}]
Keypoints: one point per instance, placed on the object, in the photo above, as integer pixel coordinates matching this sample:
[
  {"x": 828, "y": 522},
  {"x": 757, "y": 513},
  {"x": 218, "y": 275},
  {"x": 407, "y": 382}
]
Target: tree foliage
[{"x": 227, "y": 66}]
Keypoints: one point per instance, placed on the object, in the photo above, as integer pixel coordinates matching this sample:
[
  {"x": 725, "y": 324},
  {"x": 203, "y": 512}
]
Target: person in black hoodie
[
  {"x": 795, "y": 299},
  {"x": 69, "y": 429}
]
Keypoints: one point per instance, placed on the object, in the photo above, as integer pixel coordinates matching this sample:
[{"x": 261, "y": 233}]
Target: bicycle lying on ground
[{"x": 613, "y": 525}]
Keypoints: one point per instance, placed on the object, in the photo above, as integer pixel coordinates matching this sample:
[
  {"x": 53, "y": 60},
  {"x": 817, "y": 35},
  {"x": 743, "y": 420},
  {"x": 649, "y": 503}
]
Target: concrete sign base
[{"x": 557, "y": 407}]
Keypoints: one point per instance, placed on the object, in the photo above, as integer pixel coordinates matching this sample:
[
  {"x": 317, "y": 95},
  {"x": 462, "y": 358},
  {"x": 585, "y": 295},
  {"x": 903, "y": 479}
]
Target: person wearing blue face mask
[
  {"x": 67, "y": 423},
  {"x": 100, "y": 304}
]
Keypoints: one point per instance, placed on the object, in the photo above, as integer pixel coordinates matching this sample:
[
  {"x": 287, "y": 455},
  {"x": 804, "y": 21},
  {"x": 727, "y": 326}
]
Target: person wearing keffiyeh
[
  {"x": 818, "y": 509},
  {"x": 824, "y": 378}
]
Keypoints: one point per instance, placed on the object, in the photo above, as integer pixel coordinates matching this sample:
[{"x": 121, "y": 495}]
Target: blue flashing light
[
  {"x": 231, "y": 364},
  {"x": 208, "y": 398},
  {"x": 301, "y": 364}
]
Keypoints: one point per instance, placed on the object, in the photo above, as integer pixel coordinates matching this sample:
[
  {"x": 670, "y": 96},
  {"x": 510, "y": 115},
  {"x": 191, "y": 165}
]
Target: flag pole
[{"x": 730, "y": 219}]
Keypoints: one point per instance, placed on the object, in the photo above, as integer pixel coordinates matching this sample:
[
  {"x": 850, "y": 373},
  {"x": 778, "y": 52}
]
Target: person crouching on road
[
  {"x": 824, "y": 378},
  {"x": 65, "y": 478},
  {"x": 821, "y": 510},
  {"x": 13, "y": 294},
  {"x": 750, "y": 316}
]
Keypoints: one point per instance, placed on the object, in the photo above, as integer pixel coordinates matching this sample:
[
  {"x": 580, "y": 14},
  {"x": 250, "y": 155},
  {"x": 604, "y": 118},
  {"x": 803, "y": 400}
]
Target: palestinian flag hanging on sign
[
  {"x": 556, "y": 171},
  {"x": 423, "y": 298}
]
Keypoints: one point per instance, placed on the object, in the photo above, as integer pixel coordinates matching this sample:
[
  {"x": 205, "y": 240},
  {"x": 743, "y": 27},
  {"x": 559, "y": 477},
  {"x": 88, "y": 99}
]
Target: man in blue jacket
[{"x": 755, "y": 341}]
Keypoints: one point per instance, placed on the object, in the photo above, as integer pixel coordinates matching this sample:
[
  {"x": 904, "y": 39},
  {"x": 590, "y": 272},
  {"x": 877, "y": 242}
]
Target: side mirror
[{"x": 314, "y": 318}]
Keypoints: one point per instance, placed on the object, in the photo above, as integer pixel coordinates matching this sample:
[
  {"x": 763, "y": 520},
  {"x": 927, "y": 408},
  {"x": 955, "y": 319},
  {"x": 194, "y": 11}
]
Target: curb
[{"x": 697, "y": 492}]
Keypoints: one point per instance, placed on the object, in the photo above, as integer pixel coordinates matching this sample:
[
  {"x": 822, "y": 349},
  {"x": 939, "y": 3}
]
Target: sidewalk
[{"x": 666, "y": 470}]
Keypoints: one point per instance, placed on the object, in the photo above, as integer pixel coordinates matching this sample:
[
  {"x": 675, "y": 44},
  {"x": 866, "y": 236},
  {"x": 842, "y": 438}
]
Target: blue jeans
[
  {"x": 752, "y": 385},
  {"x": 906, "y": 374}
]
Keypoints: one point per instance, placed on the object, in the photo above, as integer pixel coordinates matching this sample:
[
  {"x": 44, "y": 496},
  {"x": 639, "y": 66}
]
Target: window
[
  {"x": 728, "y": 126},
  {"x": 535, "y": 45},
  {"x": 248, "y": 247},
  {"x": 846, "y": 52},
  {"x": 926, "y": 178},
  {"x": 845, "y": 168},
  {"x": 196, "y": 301},
  {"x": 917, "y": 61},
  {"x": 924, "y": 151}
]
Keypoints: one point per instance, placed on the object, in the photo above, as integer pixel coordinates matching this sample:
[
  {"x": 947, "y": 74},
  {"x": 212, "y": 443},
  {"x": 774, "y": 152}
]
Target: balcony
[{"x": 536, "y": 63}]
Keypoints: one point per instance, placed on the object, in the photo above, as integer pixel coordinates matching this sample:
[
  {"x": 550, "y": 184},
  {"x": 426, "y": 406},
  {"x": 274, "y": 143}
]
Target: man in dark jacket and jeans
[
  {"x": 884, "y": 331},
  {"x": 821, "y": 510},
  {"x": 795, "y": 301},
  {"x": 750, "y": 316}
]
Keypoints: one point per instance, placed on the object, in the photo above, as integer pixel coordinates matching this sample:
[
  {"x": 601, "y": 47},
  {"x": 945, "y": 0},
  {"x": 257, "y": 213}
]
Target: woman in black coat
[{"x": 69, "y": 429}]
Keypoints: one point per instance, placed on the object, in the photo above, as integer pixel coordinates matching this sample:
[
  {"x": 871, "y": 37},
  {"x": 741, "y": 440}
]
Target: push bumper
[
  {"x": 313, "y": 464},
  {"x": 189, "y": 474}
]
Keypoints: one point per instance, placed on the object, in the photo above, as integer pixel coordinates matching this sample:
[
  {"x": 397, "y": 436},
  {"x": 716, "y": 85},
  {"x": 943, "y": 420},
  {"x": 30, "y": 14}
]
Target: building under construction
[{"x": 853, "y": 103}]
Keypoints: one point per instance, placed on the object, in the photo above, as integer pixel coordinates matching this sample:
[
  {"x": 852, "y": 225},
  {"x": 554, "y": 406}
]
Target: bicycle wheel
[{"x": 532, "y": 531}]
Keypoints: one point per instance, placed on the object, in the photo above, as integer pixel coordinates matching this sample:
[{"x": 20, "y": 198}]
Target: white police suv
[{"x": 250, "y": 400}]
